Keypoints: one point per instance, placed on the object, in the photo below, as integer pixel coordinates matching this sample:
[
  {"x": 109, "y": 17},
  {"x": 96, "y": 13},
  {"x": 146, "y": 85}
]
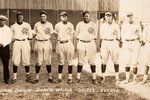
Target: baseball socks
[
  {"x": 116, "y": 67},
  {"x": 27, "y": 73},
  {"x": 79, "y": 70},
  {"x": 70, "y": 74},
  {"x": 48, "y": 67},
  {"x": 127, "y": 69},
  {"x": 93, "y": 69},
  {"x": 103, "y": 69},
  {"x": 145, "y": 74},
  {"x": 135, "y": 74},
  {"x": 37, "y": 70},
  {"x": 60, "y": 69},
  {"x": 15, "y": 68}
]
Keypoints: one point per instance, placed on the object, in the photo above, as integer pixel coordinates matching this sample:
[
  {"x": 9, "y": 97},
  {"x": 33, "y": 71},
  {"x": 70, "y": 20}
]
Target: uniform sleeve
[
  {"x": 101, "y": 31},
  {"x": 118, "y": 32},
  {"x": 122, "y": 32},
  {"x": 145, "y": 34},
  {"x": 12, "y": 32},
  {"x": 51, "y": 29},
  {"x": 56, "y": 29},
  {"x": 30, "y": 32},
  {"x": 72, "y": 29},
  {"x": 96, "y": 30},
  {"x": 139, "y": 32},
  {"x": 35, "y": 29},
  {"x": 77, "y": 30},
  {"x": 8, "y": 37}
]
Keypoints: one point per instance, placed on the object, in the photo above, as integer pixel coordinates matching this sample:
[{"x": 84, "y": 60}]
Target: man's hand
[
  {"x": 1, "y": 44},
  {"x": 120, "y": 44},
  {"x": 142, "y": 43}
]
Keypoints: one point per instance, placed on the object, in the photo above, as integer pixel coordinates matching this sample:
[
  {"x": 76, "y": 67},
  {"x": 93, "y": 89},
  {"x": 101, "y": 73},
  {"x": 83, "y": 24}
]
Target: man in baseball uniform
[
  {"x": 131, "y": 37},
  {"x": 43, "y": 47},
  {"x": 86, "y": 33},
  {"x": 21, "y": 45},
  {"x": 5, "y": 40},
  {"x": 110, "y": 36},
  {"x": 65, "y": 48},
  {"x": 146, "y": 43}
]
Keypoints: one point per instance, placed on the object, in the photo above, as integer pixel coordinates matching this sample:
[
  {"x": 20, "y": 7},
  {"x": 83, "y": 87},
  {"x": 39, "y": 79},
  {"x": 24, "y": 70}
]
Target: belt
[
  {"x": 42, "y": 40},
  {"x": 65, "y": 41},
  {"x": 109, "y": 39},
  {"x": 20, "y": 39},
  {"x": 85, "y": 41},
  {"x": 128, "y": 40}
]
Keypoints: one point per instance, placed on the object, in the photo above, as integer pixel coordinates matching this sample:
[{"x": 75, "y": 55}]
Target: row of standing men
[{"x": 86, "y": 34}]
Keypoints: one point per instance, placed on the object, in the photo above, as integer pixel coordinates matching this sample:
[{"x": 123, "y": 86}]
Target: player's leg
[
  {"x": 61, "y": 58},
  {"x": 114, "y": 52},
  {"x": 81, "y": 59},
  {"x": 69, "y": 48},
  {"x": 91, "y": 54},
  {"x": 39, "y": 56},
  {"x": 47, "y": 58},
  {"x": 26, "y": 54},
  {"x": 135, "y": 58},
  {"x": 5, "y": 55},
  {"x": 16, "y": 54},
  {"x": 104, "y": 58}
]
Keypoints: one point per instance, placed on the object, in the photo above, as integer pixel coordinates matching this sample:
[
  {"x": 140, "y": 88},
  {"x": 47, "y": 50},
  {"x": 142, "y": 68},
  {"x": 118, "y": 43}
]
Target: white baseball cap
[{"x": 3, "y": 17}]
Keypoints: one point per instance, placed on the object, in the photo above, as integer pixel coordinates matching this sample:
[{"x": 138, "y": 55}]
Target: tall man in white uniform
[
  {"x": 5, "y": 40},
  {"x": 86, "y": 33},
  {"x": 131, "y": 37},
  {"x": 43, "y": 46},
  {"x": 110, "y": 36},
  {"x": 65, "y": 48},
  {"x": 21, "y": 46}
]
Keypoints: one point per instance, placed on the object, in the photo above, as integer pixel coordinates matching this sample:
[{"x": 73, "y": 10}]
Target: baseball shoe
[
  {"x": 77, "y": 80},
  {"x": 50, "y": 80},
  {"x": 95, "y": 81},
  {"x": 35, "y": 81},
  {"x": 126, "y": 81},
  {"x": 103, "y": 79},
  {"x": 13, "y": 81},
  {"x": 58, "y": 81},
  {"x": 7, "y": 82},
  {"x": 69, "y": 81},
  {"x": 28, "y": 78}
]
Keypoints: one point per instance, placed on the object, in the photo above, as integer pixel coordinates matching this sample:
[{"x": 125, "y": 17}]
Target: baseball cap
[
  {"x": 63, "y": 13},
  {"x": 108, "y": 13},
  {"x": 18, "y": 13},
  {"x": 43, "y": 12},
  {"x": 3, "y": 17},
  {"x": 85, "y": 12},
  {"x": 129, "y": 14}
]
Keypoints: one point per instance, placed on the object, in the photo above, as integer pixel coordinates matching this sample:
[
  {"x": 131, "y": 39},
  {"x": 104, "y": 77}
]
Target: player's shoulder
[
  {"x": 37, "y": 23},
  {"x": 6, "y": 27},
  {"x": 80, "y": 23},
  {"x": 26, "y": 24},
  {"x": 69, "y": 23},
  {"x": 49, "y": 23}
]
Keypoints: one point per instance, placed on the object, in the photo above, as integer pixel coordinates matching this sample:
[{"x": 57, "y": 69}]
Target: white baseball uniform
[
  {"x": 65, "y": 47},
  {"x": 21, "y": 45},
  {"x": 86, "y": 33},
  {"x": 108, "y": 34},
  {"x": 146, "y": 40},
  {"x": 131, "y": 35},
  {"x": 43, "y": 45}
]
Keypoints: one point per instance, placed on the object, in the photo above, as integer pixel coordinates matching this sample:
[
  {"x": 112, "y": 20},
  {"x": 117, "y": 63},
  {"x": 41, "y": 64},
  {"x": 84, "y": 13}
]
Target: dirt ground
[{"x": 44, "y": 90}]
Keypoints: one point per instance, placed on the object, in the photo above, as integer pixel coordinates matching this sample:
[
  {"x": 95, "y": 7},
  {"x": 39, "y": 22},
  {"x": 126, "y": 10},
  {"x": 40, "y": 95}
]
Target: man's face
[
  {"x": 108, "y": 18},
  {"x": 86, "y": 17},
  {"x": 20, "y": 19},
  {"x": 43, "y": 18},
  {"x": 63, "y": 18},
  {"x": 130, "y": 18},
  {"x": 2, "y": 22}
]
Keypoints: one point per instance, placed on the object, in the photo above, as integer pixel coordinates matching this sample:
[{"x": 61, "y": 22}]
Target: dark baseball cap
[
  {"x": 63, "y": 13},
  {"x": 108, "y": 14},
  {"x": 19, "y": 13},
  {"x": 85, "y": 12},
  {"x": 43, "y": 12}
]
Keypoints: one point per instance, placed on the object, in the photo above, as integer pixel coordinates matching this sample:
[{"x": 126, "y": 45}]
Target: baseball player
[
  {"x": 65, "y": 48},
  {"x": 146, "y": 43},
  {"x": 131, "y": 37},
  {"x": 21, "y": 46},
  {"x": 5, "y": 40},
  {"x": 86, "y": 33},
  {"x": 43, "y": 47},
  {"x": 110, "y": 36}
]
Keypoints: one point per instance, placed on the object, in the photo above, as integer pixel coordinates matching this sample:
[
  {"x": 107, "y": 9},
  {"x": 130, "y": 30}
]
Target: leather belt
[
  {"x": 128, "y": 40},
  {"x": 85, "y": 41},
  {"x": 65, "y": 41},
  {"x": 109, "y": 39},
  {"x": 20, "y": 39},
  {"x": 42, "y": 40}
]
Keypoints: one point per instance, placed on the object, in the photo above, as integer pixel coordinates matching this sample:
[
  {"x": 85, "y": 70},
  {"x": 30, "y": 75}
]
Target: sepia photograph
[{"x": 74, "y": 49}]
